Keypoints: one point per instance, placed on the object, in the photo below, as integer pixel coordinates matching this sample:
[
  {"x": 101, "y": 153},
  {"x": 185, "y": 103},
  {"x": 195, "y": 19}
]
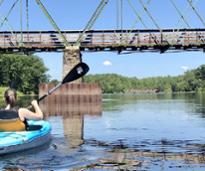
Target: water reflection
[
  {"x": 118, "y": 101},
  {"x": 147, "y": 132},
  {"x": 72, "y": 109},
  {"x": 199, "y": 100},
  {"x": 73, "y": 129},
  {"x": 66, "y": 105},
  {"x": 13, "y": 169}
]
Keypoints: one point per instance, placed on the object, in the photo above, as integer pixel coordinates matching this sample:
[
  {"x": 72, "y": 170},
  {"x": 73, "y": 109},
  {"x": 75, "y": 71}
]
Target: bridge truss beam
[{"x": 106, "y": 40}]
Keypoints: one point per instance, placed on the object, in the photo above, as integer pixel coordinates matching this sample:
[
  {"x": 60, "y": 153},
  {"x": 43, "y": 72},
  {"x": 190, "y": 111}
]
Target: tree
[
  {"x": 193, "y": 80},
  {"x": 24, "y": 73},
  {"x": 200, "y": 72}
]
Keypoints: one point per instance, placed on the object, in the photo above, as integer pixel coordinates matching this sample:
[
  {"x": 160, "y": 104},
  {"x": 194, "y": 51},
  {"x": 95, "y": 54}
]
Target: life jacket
[{"x": 10, "y": 121}]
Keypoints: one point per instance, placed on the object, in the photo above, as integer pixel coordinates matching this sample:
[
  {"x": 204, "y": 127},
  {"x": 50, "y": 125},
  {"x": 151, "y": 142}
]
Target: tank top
[{"x": 10, "y": 121}]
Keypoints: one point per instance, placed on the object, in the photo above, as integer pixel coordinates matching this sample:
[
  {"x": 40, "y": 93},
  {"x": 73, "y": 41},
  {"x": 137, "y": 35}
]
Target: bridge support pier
[{"x": 71, "y": 57}]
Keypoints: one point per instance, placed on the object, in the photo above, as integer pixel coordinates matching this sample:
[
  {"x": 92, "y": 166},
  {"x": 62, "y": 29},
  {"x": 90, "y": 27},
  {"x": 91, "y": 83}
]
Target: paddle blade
[{"x": 78, "y": 71}]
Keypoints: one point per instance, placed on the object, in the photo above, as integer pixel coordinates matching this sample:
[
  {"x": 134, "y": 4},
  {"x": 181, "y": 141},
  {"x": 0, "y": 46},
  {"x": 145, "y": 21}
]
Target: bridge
[
  {"x": 72, "y": 42},
  {"x": 105, "y": 40}
]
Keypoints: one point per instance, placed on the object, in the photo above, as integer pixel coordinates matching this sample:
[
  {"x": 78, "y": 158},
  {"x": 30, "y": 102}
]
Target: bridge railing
[
  {"x": 102, "y": 39},
  {"x": 149, "y": 39}
]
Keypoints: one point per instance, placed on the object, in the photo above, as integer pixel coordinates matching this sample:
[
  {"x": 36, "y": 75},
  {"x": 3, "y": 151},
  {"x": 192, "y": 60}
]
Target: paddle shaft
[{"x": 50, "y": 92}]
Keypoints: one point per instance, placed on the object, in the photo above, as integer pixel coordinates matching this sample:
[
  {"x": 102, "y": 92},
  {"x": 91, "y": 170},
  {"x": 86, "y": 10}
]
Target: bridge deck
[{"x": 105, "y": 40}]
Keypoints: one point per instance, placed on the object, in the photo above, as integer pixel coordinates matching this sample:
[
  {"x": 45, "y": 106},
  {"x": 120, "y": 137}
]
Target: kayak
[{"x": 38, "y": 134}]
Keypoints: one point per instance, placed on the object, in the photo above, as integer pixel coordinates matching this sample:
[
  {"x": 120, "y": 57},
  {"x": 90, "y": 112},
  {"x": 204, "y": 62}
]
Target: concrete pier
[{"x": 71, "y": 57}]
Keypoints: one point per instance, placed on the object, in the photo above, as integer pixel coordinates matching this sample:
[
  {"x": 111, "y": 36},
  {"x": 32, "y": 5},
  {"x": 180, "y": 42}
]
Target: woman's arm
[{"x": 27, "y": 114}]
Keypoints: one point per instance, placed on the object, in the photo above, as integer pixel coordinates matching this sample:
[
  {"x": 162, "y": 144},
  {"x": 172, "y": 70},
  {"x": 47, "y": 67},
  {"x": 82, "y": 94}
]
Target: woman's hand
[{"x": 34, "y": 103}]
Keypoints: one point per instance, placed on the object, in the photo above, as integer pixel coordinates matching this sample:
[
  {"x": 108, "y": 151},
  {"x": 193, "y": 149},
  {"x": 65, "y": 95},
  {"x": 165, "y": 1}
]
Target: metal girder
[
  {"x": 66, "y": 43},
  {"x": 196, "y": 12},
  {"x": 6, "y": 17},
  {"x": 180, "y": 13},
  {"x": 149, "y": 14},
  {"x": 92, "y": 20},
  {"x": 27, "y": 15}
]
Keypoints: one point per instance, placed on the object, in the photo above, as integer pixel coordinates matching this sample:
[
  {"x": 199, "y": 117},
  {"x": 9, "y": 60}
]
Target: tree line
[
  {"x": 22, "y": 72},
  {"x": 193, "y": 80}
]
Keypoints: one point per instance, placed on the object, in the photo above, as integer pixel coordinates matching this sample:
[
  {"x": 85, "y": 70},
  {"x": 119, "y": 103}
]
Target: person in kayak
[{"x": 10, "y": 97}]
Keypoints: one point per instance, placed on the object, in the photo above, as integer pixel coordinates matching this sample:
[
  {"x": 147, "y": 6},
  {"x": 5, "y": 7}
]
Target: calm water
[{"x": 150, "y": 132}]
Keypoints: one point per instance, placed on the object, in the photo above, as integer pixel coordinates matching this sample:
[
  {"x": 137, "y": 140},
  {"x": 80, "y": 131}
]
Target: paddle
[{"x": 78, "y": 71}]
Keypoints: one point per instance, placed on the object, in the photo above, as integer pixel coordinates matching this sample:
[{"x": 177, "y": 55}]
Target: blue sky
[{"x": 74, "y": 14}]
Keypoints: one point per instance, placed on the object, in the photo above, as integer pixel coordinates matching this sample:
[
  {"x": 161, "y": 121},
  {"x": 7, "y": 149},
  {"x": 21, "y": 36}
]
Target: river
[{"x": 126, "y": 132}]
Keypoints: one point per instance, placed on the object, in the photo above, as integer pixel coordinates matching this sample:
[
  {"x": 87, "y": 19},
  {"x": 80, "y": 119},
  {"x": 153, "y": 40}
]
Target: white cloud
[
  {"x": 107, "y": 63},
  {"x": 185, "y": 68}
]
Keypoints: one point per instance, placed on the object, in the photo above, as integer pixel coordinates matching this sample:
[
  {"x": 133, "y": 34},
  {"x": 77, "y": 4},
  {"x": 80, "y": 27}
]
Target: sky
[{"x": 74, "y": 15}]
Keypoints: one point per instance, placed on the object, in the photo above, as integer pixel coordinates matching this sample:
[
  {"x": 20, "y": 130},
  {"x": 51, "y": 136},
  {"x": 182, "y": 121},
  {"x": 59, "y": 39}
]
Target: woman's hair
[{"x": 10, "y": 97}]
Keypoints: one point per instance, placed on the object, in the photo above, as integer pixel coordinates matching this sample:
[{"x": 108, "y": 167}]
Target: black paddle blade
[{"x": 78, "y": 71}]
